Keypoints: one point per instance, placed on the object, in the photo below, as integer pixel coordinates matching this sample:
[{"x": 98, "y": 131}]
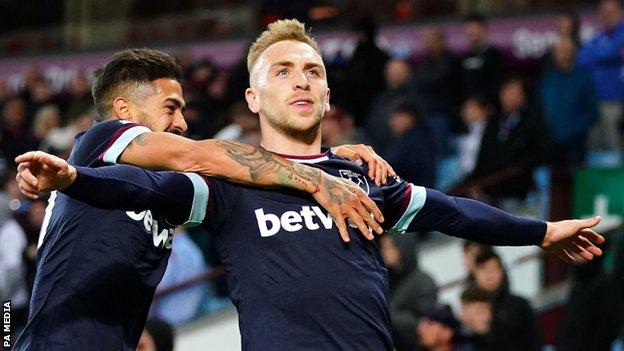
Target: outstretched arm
[
  {"x": 476, "y": 221},
  {"x": 241, "y": 163},
  {"x": 38, "y": 171},
  {"x": 181, "y": 197}
]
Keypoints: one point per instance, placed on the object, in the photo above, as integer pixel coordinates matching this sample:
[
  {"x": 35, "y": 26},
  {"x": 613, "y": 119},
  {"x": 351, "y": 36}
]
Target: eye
[
  {"x": 170, "y": 109},
  {"x": 314, "y": 73},
  {"x": 282, "y": 72}
]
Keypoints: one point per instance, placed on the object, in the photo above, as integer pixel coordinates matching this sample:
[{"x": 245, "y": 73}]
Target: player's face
[
  {"x": 290, "y": 89},
  {"x": 161, "y": 111}
]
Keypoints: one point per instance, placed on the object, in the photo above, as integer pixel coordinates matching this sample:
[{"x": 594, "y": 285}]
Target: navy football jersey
[
  {"x": 295, "y": 284},
  {"x": 97, "y": 269}
]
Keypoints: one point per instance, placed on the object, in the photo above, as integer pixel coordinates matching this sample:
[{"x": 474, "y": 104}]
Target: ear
[
  {"x": 327, "y": 104},
  {"x": 122, "y": 108},
  {"x": 252, "y": 100}
]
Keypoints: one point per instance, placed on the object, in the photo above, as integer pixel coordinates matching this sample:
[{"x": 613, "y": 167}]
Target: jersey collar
[{"x": 324, "y": 156}]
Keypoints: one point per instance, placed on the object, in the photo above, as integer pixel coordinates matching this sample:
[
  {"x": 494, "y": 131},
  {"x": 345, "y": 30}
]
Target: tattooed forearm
[{"x": 263, "y": 165}]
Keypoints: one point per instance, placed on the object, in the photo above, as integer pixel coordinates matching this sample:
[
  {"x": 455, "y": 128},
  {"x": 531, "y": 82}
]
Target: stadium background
[{"x": 49, "y": 49}]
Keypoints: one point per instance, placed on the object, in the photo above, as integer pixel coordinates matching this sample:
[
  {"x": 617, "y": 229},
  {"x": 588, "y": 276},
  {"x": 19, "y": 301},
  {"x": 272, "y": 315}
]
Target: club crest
[{"x": 357, "y": 178}]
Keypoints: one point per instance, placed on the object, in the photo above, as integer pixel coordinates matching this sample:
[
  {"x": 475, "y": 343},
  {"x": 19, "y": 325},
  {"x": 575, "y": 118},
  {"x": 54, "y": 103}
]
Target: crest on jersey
[{"x": 357, "y": 178}]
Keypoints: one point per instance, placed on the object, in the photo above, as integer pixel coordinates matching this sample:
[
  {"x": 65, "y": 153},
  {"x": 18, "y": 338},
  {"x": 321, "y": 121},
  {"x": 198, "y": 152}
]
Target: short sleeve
[
  {"x": 104, "y": 142},
  {"x": 201, "y": 194}
]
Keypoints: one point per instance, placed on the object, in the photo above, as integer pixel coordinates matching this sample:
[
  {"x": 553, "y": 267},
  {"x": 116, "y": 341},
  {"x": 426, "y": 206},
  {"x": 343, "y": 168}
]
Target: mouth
[{"x": 302, "y": 103}]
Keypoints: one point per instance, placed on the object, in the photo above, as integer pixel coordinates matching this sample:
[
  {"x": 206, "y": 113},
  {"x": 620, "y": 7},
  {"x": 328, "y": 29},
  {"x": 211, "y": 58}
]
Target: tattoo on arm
[
  {"x": 335, "y": 194},
  {"x": 261, "y": 163},
  {"x": 138, "y": 140}
]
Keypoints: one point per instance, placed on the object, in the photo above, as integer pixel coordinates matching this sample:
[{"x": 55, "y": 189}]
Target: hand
[
  {"x": 38, "y": 171},
  {"x": 573, "y": 238},
  {"x": 378, "y": 168},
  {"x": 343, "y": 199}
]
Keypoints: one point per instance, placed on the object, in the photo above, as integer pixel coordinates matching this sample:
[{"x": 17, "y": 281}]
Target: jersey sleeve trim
[
  {"x": 417, "y": 197},
  {"x": 118, "y": 146},
  {"x": 200, "y": 200}
]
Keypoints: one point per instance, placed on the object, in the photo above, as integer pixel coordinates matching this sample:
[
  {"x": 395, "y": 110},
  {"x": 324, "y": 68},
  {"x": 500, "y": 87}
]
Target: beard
[{"x": 305, "y": 127}]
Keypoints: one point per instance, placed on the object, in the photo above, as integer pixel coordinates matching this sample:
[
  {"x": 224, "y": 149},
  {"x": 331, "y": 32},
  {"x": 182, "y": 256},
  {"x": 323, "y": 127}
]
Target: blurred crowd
[
  {"x": 490, "y": 316},
  {"x": 43, "y": 26},
  {"x": 493, "y": 124}
]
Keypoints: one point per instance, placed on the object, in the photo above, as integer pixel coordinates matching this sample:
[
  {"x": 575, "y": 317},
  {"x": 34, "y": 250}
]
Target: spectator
[
  {"x": 339, "y": 128},
  {"x": 410, "y": 288},
  {"x": 199, "y": 124},
  {"x": 206, "y": 89},
  {"x": 398, "y": 75},
  {"x": 47, "y": 118},
  {"x": 32, "y": 228},
  {"x": 513, "y": 144},
  {"x": 436, "y": 80},
  {"x": 568, "y": 102},
  {"x": 238, "y": 79},
  {"x": 12, "y": 267},
  {"x": 199, "y": 76},
  {"x": 436, "y": 329},
  {"x": 568, "y": 25},
  {"x": 484, "y": 65},
  {"x": 31, "y": 76},
  {"x": 59, "y": 140},
  {"x": 602, "y": 57},
  {"x": 245, "y": 126},
  {"x": 5, "y": 92},
  {"x": 514, "y": 323},
  {"x": 186, "y": 263},
  {"x": 594, "y": 311},
  {"x": 476, "y": 318},
  {"x": 80, "y": 100},
  {"x": 157, "y": 336},
  {"x": 411, "y": 153},
  {"x": 475, "y": 113},
  {"x": 40, "y": 95},
  {"x": 470, "y": 252},
  {"x": 15, "y": 136},
  {"x": 365, "y": 72}
]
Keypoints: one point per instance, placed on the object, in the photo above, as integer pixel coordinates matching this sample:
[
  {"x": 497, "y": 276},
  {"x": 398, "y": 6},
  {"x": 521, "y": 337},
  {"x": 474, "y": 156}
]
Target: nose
[
  {"x": 179, "y": 123},
  {"x": 301, "y": 81}
]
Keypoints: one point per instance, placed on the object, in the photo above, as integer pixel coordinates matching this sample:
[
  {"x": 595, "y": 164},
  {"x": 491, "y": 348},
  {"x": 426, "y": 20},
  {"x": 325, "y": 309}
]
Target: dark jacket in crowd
[
  {"x": 437, "y": 84},
  {"x": 569, "y": 106},
  {"x": 568, "y": 102},
  {"x": 482, "y": 72},
  {"x": 413, "y": 156},
  {"x": 515, "y": 326},
  {"x": 16, "y": 141},
  {"x": 365, "y": 77},
  {"x": 594, "y": 311},
  {"x": 511, "y": 147},
  {"x": 377, "y": 124},
  {"x": 410, "y": 290}
]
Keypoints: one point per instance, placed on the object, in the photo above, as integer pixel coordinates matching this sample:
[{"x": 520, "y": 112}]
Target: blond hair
[{"x": 279, "y": 31}]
